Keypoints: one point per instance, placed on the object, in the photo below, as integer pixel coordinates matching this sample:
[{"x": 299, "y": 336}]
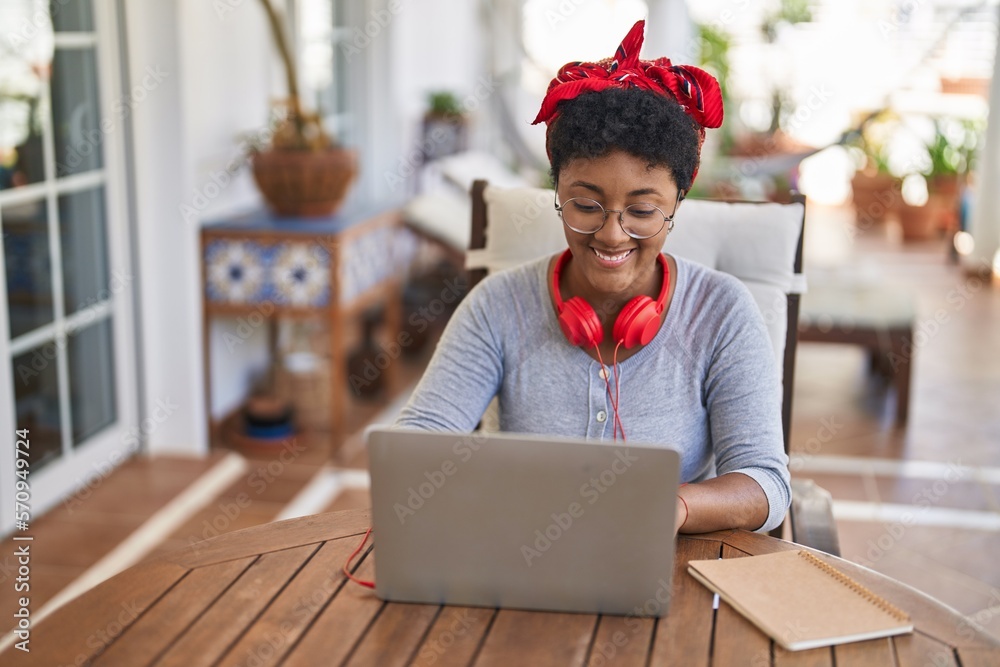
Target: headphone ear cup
[
  {"x": 637, "y": 323},
  {"x": 580, "y": 324}
]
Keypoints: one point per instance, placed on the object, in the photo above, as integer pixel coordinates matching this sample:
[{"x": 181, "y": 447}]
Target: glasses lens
[
  {"x": 583, "y": 215},
  {"x": 642, "y": 220}
]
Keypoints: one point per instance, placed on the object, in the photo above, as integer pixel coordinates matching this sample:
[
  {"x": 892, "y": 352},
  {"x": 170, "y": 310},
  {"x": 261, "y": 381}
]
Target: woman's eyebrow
[
  {"x": 598, "y": 190},
  {"x": 644, "y": 191},
  {"x": 588, "y": 186}
]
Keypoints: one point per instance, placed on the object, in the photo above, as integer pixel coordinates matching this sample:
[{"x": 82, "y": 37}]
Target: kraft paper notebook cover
[{"x": 799, "y": 600}]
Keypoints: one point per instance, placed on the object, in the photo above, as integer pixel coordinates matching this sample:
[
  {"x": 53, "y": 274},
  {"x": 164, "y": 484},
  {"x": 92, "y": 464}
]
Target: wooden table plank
[
  {"x": 167, "y": 619},
  {"x": 814, "y": 657},
  {"x": 339, "y": 627},
  {"x": 864, "y": 654},
  {"x": 737, "y": 641},
  {"x": 538, "y": 639},
  {"x": 622, "y": 641},
  {"x": 919, "y": 650},
  {"x": 84, "y": 627},
  {"x": 684, "y": 636},
  {"x": 930, "y": 616},
  {"x": 287, "y": 617},
  {"x": 394, "y": 636},
  {"x": 455, "y": 637},
  {"x": 228, "y": 618},
  {"x": 264, "y": 539},
  {"x": 975, "y": 657}
]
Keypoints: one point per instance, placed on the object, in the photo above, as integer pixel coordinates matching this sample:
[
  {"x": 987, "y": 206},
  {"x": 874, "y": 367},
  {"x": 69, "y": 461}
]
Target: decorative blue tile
[
  {"x": 300, "y": 274},
  {"x": 373, "y": 258},
  {"x": 236, "y": 271}
]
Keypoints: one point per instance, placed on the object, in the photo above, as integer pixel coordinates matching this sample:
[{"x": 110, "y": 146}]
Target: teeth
[{"x": 612, "y": 258}]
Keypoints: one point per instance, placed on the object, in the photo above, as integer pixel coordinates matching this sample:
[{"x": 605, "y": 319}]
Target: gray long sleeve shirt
[{"x": 706, "y": 385}]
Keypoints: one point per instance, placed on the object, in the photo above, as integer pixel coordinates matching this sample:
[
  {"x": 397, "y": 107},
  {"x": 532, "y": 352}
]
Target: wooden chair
[{"x": 719, "y": 235}]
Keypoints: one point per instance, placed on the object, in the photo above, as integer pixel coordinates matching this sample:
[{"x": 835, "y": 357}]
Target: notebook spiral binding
[{"x": 861, "y": 590}]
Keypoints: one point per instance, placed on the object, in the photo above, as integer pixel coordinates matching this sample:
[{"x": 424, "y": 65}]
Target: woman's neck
[{"x": 608, "y": 306}]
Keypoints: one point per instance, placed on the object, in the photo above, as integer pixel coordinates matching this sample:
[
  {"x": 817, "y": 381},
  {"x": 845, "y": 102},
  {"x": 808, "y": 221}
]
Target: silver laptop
[{"x": 528, "y": 522}]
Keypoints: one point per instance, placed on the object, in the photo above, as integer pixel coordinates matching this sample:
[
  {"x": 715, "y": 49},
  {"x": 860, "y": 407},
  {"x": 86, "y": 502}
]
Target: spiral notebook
[{"x": 799, "y": 600}]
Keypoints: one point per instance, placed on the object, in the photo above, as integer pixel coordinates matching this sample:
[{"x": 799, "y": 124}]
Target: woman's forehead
[{"x": 617, "y": 171}]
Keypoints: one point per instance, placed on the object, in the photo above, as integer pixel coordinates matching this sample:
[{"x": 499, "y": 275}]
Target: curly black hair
[{"x": 642, "y": 123}]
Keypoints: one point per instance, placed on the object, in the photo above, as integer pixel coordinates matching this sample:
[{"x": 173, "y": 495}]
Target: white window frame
[{"x": 89, "y": 462}]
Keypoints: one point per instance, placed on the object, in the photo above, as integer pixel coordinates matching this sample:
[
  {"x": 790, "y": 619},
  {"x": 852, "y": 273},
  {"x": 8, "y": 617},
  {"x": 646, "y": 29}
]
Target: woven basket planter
[{"x": 305, "y": 183}]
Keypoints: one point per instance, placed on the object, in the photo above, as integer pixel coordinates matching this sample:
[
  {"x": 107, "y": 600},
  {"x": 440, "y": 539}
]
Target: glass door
[{"x": 67, "y": 355}]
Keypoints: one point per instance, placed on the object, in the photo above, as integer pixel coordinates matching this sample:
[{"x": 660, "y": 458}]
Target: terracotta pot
[
  {"x": 946, "y": 191},
  {"x": 875, "y": 195},
  {"x": 966, "y": 86},
  {"x": 919, "y": 222},
  {"x": 305, "y": 183}
]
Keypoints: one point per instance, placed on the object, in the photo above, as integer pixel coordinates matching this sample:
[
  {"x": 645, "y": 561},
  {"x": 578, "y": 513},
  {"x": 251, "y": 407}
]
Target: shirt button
[
  {"x": 603, "y": 373},
  {"x": 601, "y": 416}
]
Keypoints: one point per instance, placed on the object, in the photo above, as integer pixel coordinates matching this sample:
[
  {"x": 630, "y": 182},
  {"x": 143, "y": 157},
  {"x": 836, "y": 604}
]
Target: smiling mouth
[{"x": 613, "y": 258}]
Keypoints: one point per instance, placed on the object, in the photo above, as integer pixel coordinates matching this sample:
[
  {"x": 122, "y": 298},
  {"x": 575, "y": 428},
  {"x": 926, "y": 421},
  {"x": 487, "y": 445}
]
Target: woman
[{"x": 691, "y": 364}]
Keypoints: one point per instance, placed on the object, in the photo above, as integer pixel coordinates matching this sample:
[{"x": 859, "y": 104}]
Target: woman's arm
[
  {"x": 742, "y": 391},
  {"x": 465, "y": 372},
  {"x": 728, "y": 501}
]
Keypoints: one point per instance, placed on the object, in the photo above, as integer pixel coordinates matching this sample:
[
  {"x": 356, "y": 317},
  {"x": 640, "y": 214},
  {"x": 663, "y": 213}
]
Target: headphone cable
[
  {"x": 361, "y": 582},
  {"x": 617, "y": 423}
]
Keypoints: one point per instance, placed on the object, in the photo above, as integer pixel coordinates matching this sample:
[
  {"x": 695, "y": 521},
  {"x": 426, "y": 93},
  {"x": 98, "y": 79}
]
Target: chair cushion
[
  {"x": 754, "y": 242},
  {"x": 443, "y": 216},
  {"x": 523, "y": 225}
]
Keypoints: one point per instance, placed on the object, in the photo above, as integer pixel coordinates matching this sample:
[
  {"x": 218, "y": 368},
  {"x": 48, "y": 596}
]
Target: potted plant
[
  {"x": 950, "y": 157},
  {"x": 917, "y": 212},
  {"x": 875, "y": 189},
  {"x": 445, "y": 124},
  {"x": 303, "y": 172}
]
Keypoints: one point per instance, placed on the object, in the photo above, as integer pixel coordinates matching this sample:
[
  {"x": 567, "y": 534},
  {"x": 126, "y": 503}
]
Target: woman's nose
[{"x": 611, "y": 235}]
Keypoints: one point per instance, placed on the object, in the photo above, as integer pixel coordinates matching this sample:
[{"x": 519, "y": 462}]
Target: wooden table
[{"x": 275, "y": 594}]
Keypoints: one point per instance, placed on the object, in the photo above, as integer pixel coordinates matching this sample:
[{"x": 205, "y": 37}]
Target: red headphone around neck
[{"x": 637, "y": 323}]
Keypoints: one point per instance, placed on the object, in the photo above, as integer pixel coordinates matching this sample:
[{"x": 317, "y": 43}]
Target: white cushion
[
  {"x": 463, "y": 168},
  {"x": 754, "y": 242},
  {"x": 523, "y": 225},
  {"x": 443, "y": 216}
]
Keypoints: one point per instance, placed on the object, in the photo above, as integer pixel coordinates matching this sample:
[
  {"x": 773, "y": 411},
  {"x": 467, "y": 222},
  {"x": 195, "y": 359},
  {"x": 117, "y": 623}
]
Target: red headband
[{"x": 695, "y": 90}]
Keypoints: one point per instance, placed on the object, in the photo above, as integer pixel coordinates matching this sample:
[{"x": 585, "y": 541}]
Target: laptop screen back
[{"x": 530, "y": 522}]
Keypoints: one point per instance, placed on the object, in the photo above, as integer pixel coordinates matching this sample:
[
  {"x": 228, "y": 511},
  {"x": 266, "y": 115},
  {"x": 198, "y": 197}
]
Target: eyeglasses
[{"x": 640, "y": 221}]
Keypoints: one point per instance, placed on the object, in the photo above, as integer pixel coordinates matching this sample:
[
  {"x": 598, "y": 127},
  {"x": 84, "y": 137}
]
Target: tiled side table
[{"x": 261, "y": 267}]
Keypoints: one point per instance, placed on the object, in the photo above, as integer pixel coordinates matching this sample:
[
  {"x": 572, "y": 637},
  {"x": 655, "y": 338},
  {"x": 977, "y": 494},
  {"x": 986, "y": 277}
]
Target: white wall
[
  {"x": 166, "y": 248},
  {"x": 435, "y": 45},
  {"x": 231, "y": 74},
  {"x": 221, "y": 77},
  {"x": 670, "y": 32}
]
